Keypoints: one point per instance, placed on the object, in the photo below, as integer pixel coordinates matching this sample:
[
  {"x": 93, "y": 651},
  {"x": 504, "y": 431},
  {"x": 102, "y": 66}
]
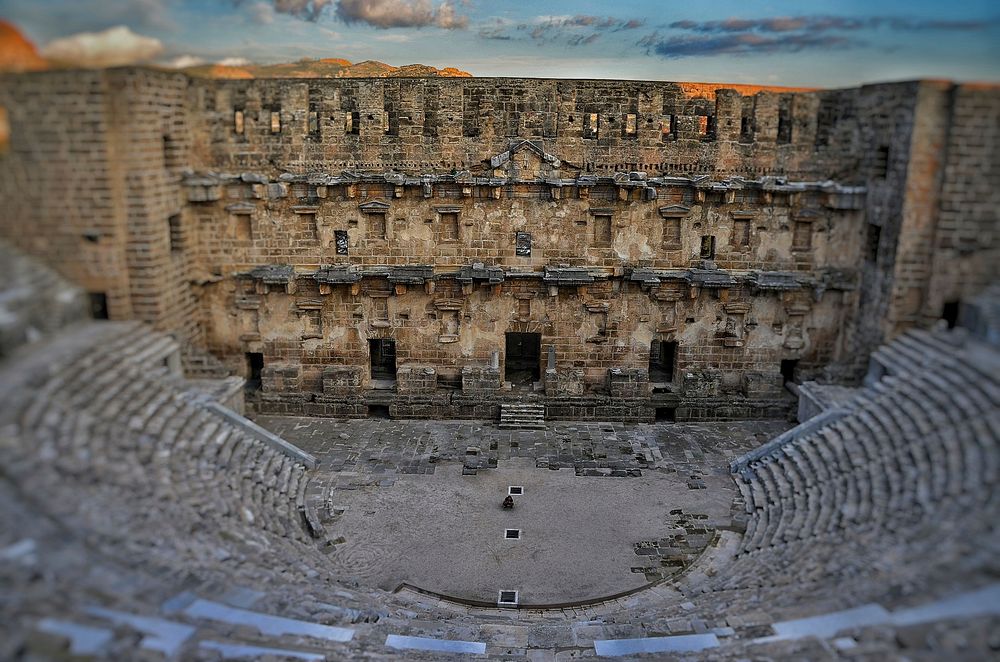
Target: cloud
[
  {"x": 783, "y": 34},
  {"x": 578, "y": 30},
  {"x": 234, "y": 62},
  {"x": 394, "y": 38},
  {"x": 307, "y": 9},
  {"x": 385, "y": 14},
  {"x": 184, "y": 61},
  {"x": 262, "y": 13},
  {"x": 381, "y": 14},
  {"x": 741, "y": 44},
  {"x": 113, "y": 47},
  {"x": 821, "y": 23}
]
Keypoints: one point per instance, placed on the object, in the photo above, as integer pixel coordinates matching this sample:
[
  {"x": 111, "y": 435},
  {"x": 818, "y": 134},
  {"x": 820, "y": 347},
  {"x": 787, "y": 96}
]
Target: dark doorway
[
  {"x": 383, "y": 358},
  {"x": 255, "y": 365},
  {"x": 662, "y": 358},
  {"x": 522, "y": 365},
  {"x": 666, "y": 414},
  {"x": 378, "y": 411},
  {"x": 788, "y": 367},
  {"x": 99, "y": 305},
  {"x": 949, "y": 313}
]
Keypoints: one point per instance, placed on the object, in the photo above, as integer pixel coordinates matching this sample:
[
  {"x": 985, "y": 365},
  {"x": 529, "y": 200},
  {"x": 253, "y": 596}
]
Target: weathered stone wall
[
  {"x": 298, "y": 220},
  {"x": 438, "y": 125},
  {"x": 966, "y": 244},
  {"x": 60, "y": 197},
  {"x": 90, "y": 183}
]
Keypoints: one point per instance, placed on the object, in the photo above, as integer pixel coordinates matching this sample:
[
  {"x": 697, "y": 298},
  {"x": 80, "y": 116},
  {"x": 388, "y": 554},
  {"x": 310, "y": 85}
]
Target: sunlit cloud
[{"x": 113, "y": 47}]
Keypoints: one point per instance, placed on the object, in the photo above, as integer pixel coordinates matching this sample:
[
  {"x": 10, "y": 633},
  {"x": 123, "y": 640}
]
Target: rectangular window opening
[
  {"x": 590, "y": 126},
  {"x": 872, "y": 239},
  {"x": 254, "y": 368},
  {"x": 522, "y": 358},
  {"x": 668, "y": 127},
  {"x": 707, "y": 251},
  {"x": 275, "y": 121},
  {"x": 666, "y": 414},
  {"x": 382, "y": 359},
  {"x": 313, "y": 122},
  {"x": 631, "y": 125},
  {"x": 522, "y": 244},
  {"x": 788, "y": 368},
  {"x": 706, "y": 126},
  {"x": 746, "y": 128},
  {"x": 238, "y": 122},
  {"x": 662, "y": 359},
  {"x": 950, "y": 312},
  {"x": 784, "y": 126},
  {"x": 98, "y": 305},
  {"x": 378, "y": 411},
  {"x": 352, "y": 123},
  {"x": 341, "y": 241}
]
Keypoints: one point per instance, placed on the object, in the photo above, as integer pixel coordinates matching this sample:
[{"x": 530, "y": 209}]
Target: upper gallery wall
[{"x": 424, "y": 126}]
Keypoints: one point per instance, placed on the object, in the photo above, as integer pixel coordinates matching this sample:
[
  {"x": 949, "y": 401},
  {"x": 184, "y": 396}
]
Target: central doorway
[
  {"x": 523, "y": 358},
  {"x": 662, "y": 358},
  {"x": 382, "y": 354}
]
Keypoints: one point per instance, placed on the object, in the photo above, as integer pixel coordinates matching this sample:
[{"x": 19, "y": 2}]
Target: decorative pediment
[
  {"x": 526, "y": 160},
  {"x": 505, "y": 157},
  {"x": 374, "y": 207},
  {"x": 743, "y": 214},
  {"x": 674, "y": 211}
]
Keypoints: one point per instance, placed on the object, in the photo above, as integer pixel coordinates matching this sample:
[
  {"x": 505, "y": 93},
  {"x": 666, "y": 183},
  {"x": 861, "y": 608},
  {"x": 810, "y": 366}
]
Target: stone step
[{"x": 524, "y": 416}]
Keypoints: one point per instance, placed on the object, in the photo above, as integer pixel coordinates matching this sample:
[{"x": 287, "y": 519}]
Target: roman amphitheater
[{"x": 273, "y": 353}]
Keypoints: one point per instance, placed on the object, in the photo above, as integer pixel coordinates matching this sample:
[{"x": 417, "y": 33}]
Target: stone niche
[
  {"x": 281, "y": 378},
  {"x": 565, "y": 382},
  {"x": 412, "y": 379},
  {"x": 628, "y": 382},
  {"x": 480, "y": 379},
  {"x": 702, "y": 383},
  {"x": 342, "y": 379}
]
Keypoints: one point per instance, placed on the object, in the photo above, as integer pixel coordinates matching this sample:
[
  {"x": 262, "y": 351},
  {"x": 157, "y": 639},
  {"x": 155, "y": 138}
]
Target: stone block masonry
[{"x": 438, "y": 247}]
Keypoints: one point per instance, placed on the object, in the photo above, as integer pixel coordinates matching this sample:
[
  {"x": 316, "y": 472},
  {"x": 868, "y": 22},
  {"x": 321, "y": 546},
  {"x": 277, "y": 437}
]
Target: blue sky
[{"x": 770, "y": 42}]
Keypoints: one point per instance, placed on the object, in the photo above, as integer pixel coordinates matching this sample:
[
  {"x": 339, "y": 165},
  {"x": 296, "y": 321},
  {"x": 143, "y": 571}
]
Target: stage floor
[{"x": 397, "y": 504}]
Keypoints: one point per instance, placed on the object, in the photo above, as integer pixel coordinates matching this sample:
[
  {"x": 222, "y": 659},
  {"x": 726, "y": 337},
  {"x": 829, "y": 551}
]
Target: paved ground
[{"x": 607, "y": 507}]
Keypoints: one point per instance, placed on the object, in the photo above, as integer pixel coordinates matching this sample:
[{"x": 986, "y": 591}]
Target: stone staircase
[{"x": 522, "y": 416}]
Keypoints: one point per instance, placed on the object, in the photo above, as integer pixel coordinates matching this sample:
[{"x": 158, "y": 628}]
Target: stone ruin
[
  {"x": 685, "y": 252},
  {"x": 521, "y": 250}
]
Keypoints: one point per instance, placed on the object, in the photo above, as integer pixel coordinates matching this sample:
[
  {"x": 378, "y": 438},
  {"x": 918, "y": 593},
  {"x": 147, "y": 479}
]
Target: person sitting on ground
[{"x": 508, "y": 503}]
